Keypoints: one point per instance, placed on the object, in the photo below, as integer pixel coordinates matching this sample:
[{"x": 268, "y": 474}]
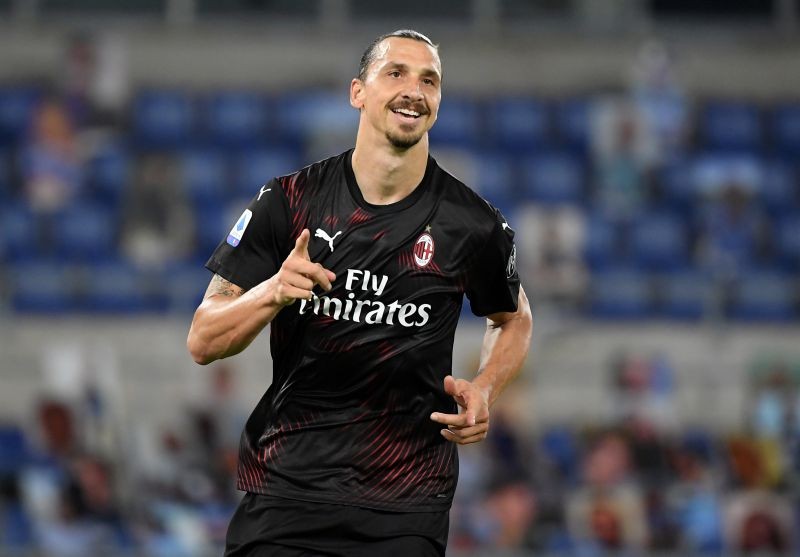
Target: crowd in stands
[
  {"x": 643, "y": 483},
  {"x": 78, "y": 481},
  {"x": 640, "y": 202}
]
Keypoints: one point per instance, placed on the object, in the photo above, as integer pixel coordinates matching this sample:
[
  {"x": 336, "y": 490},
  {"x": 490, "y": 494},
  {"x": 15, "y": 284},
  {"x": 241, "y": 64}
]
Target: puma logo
[
  {"x": 324, "y": 235},
  {"x": 264, "y": 189}
]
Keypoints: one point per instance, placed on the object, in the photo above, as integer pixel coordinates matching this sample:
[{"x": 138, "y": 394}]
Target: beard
[{"x": 400, "y": 140}]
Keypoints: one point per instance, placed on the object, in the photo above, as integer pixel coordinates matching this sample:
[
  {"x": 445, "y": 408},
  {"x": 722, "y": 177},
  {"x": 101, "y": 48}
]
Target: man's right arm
[{"x": 229, "y": 318}]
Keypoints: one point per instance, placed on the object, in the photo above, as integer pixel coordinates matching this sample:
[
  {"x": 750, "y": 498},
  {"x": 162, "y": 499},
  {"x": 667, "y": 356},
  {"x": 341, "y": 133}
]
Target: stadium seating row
[
  {"x": 176, "y": 118},
  {"x": 548, "y": 177},
  {"x": 615, "y": 293}
]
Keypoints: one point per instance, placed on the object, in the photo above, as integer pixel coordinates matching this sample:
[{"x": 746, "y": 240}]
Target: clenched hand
[{"x": 298, "y": 275}]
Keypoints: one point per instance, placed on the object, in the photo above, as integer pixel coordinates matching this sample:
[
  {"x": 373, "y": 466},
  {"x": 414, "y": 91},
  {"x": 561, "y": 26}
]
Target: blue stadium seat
[
  {"x": 684, "y": 295},
  {"x": 659, "y": 241},
  {"x": 236, "y": 118},
  {"x": 677, "y": 182},
  {"x": 184, "y": 285},
  {"x": 118, "y": 287},
  {"x": 255, "y": 168},
  {"x": 109, "y": 173},
  {"x": 764, "y": 296},
  {"x": 163, "y": 119},
  {"x": 204, "y": 177},
  {"x": 778, "y": 191},
  {"x": 559, "y": 445},
  {"x": 517, "y": 124},
  {"x": 732, "y": 125},
  {"x": 42, "y": 287},
  {"x": 554, "y": 178},
  {"x": 620, "y": 294},
  {"x": 211, "y": 227},
  {"x": 787, "y": 241},
  {"x": 715, "y": 170},
  {"x": 458, "y": 123},
  {"x": 16, "y": 530},
  {"x": 302, "y": 114},
  {"x": 601, "y": 244},
  {"x": 785, "y": 128},
  {"x": 17, "y": 105},
  {"x": 571, "y": 124},
  {"x": 20, "y": 233},
  {"x": 85, "y": 232},
  {"x": 497, "y": 180},
  {"x": 16, "y": 527},
  {"x": 23, "y": 233},
  {"x": 13, "y": 450}
]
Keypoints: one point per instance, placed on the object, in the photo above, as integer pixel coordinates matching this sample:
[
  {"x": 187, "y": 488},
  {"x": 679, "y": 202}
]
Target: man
[{"x": 360, "y": 263}]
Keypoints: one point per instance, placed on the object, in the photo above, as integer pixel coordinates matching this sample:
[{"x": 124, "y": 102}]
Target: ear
[{"x": 357, "y": 93}]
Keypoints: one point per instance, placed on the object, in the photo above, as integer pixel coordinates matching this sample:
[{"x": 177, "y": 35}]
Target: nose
[{"x": 412, "y": 91}]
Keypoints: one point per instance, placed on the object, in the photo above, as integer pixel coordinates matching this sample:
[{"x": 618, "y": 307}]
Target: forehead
[{"x": 410, "y": 52}]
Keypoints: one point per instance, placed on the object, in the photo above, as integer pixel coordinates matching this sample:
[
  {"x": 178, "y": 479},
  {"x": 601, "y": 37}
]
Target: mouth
[{"x": 407, "y": 114}]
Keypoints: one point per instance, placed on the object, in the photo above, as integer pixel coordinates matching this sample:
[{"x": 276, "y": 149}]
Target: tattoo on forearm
[{"x": 223, "y": 287}]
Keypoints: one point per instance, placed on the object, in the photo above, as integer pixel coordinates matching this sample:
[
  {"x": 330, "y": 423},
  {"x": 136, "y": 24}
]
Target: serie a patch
[{"x": 236, "y": 233}]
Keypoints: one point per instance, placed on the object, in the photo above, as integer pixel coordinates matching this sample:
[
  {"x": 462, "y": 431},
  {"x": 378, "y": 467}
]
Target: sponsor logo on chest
[{"x": 371, "y": 310}]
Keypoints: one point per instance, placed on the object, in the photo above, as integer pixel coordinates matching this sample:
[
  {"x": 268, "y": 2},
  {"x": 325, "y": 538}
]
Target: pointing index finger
[{"x": 301, "y": 244}]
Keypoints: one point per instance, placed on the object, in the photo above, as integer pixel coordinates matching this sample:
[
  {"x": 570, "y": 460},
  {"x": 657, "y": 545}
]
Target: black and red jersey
[{"x": 358, "y": 370}]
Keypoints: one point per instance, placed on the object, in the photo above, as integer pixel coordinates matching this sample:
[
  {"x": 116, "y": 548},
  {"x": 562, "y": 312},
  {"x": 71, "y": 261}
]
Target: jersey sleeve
[
  {"x": 257, "y": 244},
  {"x": 492, "y": 281}
]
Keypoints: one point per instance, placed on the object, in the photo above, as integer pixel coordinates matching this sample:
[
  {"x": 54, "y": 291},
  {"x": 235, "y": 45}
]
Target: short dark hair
[{"x": 370, "y": 54}]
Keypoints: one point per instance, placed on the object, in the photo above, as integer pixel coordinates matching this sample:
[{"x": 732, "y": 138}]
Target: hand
[
  {"x": 298, "y": 275},
  {"x": 472, "y": 425}
]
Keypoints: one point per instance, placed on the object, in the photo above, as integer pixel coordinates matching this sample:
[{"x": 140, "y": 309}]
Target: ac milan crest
[{"x": 423, "y": 250}]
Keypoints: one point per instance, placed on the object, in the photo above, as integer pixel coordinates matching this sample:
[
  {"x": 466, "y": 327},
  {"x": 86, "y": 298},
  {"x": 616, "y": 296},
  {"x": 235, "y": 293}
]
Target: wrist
[
  {"x": 266, "y": 294},
  {"x": 484, "y": 386}
]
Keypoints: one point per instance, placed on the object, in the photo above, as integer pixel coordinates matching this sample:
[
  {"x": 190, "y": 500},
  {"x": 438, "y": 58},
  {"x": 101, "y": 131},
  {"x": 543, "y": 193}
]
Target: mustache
[{"x": 419, "y": 107}]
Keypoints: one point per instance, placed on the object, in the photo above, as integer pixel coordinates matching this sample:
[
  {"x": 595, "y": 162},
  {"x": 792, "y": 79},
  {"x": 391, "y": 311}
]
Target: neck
[{"x": 387, "y": 174}]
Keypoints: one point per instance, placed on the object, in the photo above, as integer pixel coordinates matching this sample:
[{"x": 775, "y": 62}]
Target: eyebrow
[{"x": 401, "y": 66}]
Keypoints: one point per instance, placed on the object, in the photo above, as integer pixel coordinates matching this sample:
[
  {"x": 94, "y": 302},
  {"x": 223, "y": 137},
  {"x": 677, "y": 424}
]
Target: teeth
[{"x": 407, "y": 112}]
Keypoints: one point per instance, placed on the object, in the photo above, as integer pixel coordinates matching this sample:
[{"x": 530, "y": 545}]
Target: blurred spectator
[
  {"x": 608, "y": 512},
  {"x": 758, "y": 518},
  {"x": 771, "y": 406},
  {"x": 623, "y": 160},
  {"x": 694, "y": 499},
  {"x": 50, "y": 161},
  {"x": 733, "y": 232},
  {"x": 759, "y": 522},
  {"x": 78, "y": 68},
  {"x": 658, "y": 95},
  {"x": 95, "y": 78},
  {"x": 157, "y": 222},
  {"x": 218, "y": 423},
  {"x": 645, "y": 391},
  {"x": 510, "y": 507},
  {"x": 68, "y": 494},
  {"x": 57, "y": 429},
  {"x": 552, "y": 256}
]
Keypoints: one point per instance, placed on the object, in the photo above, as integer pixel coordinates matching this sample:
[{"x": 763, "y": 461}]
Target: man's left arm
[{"x": 505, "y": 345}]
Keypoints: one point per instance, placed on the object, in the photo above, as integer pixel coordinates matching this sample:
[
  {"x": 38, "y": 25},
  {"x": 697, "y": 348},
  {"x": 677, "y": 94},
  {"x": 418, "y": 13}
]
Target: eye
[
  {"x": 394, "y": 73},
  {"x": 428, "y": 81}
]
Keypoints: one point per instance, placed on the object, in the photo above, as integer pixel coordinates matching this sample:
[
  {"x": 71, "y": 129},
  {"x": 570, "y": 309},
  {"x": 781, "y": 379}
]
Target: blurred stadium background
[{"x": 646, "y": 152}]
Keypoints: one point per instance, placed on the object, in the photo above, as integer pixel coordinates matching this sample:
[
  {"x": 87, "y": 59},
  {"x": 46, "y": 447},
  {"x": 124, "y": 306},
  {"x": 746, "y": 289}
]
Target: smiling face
[{"x": 400, "y": 93}]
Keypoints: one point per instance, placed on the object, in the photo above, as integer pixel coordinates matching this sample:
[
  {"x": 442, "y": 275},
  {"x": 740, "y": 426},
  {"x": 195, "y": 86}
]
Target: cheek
[{"x": 434, "y": 105}]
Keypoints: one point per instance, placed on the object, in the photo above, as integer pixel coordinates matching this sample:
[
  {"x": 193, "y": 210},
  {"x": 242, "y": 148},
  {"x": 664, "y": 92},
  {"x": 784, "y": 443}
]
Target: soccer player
[{"x": 360, "y": 263}]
